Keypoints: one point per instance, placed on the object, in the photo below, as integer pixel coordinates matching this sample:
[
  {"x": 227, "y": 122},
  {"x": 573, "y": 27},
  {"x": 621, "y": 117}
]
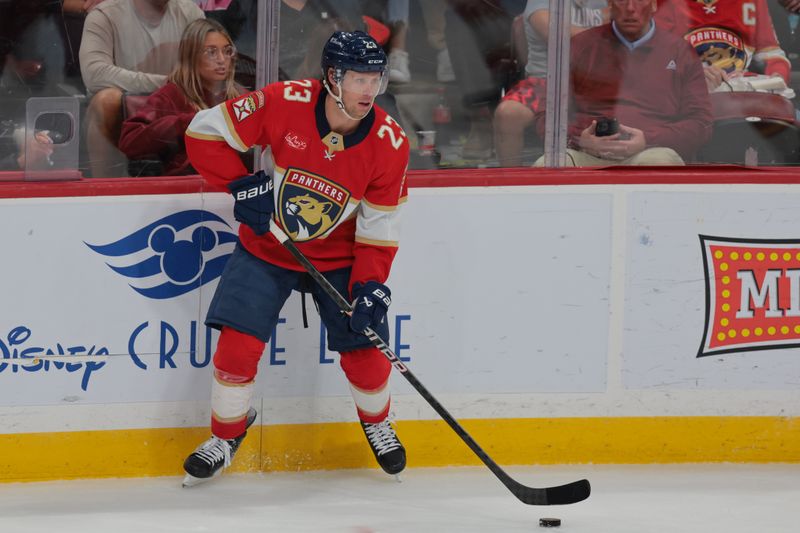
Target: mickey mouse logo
[
  {"x": 182, "y": 260},
  {"x": 173, "y": 255}
]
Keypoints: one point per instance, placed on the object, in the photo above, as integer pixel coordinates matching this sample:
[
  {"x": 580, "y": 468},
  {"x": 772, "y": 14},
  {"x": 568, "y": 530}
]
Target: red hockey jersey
[
  {"x": 337, "y": 196},
  {"x": 729, "y": 34}
]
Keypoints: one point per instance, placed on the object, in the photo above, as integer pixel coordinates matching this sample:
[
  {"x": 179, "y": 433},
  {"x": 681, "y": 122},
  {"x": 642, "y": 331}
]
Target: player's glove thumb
[
  {"x": 371, "y": 300},
  {"x": 254, "y": 201}
]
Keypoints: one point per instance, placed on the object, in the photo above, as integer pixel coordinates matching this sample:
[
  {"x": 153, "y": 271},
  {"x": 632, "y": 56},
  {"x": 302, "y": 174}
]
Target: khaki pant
[{"x": 649, "y": 157}]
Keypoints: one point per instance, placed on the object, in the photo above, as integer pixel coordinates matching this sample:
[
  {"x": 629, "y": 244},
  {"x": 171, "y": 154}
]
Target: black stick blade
[{"x": 574, "y": 492}]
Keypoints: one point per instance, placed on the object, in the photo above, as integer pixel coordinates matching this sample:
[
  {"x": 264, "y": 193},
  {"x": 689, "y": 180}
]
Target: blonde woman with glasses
[{"x": 202, "y": 79}]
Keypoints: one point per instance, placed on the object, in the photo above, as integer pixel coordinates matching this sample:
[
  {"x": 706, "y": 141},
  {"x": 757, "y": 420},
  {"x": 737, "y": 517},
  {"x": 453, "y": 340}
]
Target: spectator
[
  {"x": 127, "y": 46},
  {"x": 397, "y": 16},
  {"x": 202, "y": 79},
  {"x": 304, "y": 26},
  {"x": 731, "y": 37},
  {"x": 32, "y": 47},
  {"x": 647, "y": 79},
  {"x": 519, "y": 106},
  {"x": 792, "y": 6},
  {"x": 481, "y": 32},
  {"x": 76, "y": 6},
  {"x": 37, "y": 155},
  {"x": 785, "y": 16}
]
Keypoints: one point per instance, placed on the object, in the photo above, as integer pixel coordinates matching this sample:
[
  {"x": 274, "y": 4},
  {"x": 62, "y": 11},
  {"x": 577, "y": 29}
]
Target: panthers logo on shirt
[
  {"x": 310, "y": 205},
  {"x": 719, "y": 47}
]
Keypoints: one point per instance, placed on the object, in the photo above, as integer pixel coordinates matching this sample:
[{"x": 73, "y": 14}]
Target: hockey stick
[{"x": 560, "y": 495}]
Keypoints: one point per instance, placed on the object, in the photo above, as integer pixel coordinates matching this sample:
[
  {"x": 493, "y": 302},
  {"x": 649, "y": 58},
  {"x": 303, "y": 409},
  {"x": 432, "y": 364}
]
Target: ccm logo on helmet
[{"x": 252, "y": 192}]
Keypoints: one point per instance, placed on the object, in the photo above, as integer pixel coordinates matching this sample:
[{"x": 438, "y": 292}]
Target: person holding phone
[{"x": 638, "y": 93}]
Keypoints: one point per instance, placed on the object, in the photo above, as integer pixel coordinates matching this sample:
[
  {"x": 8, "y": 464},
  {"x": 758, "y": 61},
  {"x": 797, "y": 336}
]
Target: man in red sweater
[{"x": 649, "y": 80}]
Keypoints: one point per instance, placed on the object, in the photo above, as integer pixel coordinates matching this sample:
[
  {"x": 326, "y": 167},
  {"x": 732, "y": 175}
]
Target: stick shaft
[{"x": 570, "y": 493}]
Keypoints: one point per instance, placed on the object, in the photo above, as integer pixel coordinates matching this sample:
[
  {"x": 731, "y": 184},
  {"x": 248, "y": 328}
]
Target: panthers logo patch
[
  {"x": 310, "y": 205},
  {"x": 719, "y": 47}
]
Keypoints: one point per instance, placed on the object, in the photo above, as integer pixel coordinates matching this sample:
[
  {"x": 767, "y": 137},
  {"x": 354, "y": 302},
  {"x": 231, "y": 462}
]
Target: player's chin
[{"x": 361, "y": 109}]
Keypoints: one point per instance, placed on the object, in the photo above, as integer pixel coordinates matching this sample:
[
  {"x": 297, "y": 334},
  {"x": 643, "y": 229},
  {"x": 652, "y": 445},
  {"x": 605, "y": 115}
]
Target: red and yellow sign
[{"x": 752, "y": 294}]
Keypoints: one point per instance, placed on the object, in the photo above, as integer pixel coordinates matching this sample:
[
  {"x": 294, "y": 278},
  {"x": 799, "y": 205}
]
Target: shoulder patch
[{"x": 247, "y": 105}]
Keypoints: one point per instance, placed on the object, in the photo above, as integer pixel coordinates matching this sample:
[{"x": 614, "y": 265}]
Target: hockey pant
[{"x": 236, "y": 363}]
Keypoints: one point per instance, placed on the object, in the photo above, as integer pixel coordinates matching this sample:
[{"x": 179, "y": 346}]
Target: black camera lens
[{"x": 606, "y": 127}]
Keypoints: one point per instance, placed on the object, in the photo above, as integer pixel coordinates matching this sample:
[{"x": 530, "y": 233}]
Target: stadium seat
[{"x": 753, "y": 128}]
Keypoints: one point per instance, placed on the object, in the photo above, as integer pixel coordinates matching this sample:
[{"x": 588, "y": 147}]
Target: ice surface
[{"x": 626, "y": 499}]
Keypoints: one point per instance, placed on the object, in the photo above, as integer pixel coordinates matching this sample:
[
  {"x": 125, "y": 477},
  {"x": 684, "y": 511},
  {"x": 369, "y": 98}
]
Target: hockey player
[
  {"x": 338, "y": 180},
  {"x": 728, "y": 35}
]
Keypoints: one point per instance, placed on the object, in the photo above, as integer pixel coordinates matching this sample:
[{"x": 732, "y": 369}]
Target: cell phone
[{"x": 606, "y": 127}]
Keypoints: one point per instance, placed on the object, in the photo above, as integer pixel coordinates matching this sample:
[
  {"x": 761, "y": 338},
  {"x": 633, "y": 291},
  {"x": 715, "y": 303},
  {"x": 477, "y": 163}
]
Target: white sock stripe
[
  {"x": 371, "y": 402},
  {"x": 230, "y": 402}
]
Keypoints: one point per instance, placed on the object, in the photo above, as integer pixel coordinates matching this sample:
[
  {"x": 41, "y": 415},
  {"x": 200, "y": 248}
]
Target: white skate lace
[
  {"x": 382, "y": 437},
  {"x": 215, "y": 450}
]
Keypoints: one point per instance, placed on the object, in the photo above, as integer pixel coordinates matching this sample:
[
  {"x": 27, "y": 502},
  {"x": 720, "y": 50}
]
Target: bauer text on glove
[
  {"x": 254, "y": 201},
  {"x": 371, "y": 301}
]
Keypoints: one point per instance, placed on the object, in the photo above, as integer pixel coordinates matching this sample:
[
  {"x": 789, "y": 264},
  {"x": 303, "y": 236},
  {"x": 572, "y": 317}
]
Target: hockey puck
[{"x": 549, "y": 522}]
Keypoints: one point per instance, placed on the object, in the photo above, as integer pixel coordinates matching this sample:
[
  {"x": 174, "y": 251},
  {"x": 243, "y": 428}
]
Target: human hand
[
  {"x": 627, "y": 143},
  {"x": 371, "y": 300},
  {"x": 631, "y": 142},
  {"x": 37, "y": 153},
  {"x": 590, "y": 143},
  {"x": 715, "y": 76},
  {"x": 792, "y": 6}
]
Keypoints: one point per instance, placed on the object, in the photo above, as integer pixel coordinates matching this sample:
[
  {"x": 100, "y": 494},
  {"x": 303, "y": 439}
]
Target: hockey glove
[
  {"x": 254, "y": 201},
  {"x": 371, "y": 301}
]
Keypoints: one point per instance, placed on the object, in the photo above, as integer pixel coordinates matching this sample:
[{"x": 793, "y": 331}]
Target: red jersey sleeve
[
  {"x": 216, "y": 135},
  {"x": 378, "y": 215},
  {"x": 767, "y": 49}
]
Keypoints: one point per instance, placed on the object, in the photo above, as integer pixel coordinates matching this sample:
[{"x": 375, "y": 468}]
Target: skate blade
[
  {"x": 398, "y": 478},
  {"x": 191, "y": 481}
]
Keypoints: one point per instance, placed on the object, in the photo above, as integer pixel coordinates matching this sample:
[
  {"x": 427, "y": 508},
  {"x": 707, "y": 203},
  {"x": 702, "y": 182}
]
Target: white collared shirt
[{"x": 643, "y": 39}]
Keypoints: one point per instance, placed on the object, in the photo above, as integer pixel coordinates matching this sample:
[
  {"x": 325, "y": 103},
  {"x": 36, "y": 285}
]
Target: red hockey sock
[{"x": 368, "y": 371}]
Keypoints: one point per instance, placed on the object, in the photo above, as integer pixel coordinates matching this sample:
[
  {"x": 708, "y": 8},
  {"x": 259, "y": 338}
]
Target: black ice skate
[
  {"x": 388, "y": 451},
  {"x": 213, "y": 456}
]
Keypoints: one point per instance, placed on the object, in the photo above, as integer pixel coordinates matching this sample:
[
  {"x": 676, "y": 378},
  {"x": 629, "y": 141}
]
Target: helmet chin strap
[{"x": 340, "y": 103}]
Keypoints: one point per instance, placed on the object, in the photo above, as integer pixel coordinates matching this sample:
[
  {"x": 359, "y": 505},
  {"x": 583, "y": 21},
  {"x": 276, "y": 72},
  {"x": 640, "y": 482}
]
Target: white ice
[{"x": 720, "y": 498}]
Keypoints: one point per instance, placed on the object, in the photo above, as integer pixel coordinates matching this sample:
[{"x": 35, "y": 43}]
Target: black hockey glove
[
  {"x": 254, "y": 201},
  {"x": 371, "y": 301}
]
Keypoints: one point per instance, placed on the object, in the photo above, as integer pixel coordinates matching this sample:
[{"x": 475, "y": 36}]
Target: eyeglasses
[{"x": 212, "y": 52}]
